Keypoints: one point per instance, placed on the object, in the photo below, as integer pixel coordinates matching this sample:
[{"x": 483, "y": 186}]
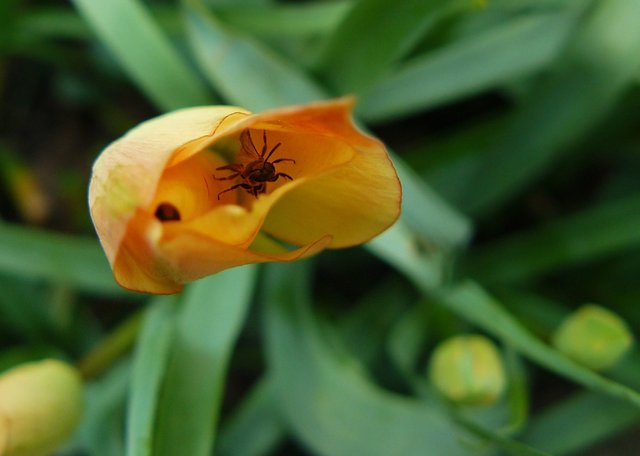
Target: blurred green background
[{"x": 514, "y": 125}]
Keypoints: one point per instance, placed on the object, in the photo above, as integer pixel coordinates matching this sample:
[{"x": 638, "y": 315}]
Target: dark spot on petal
[{"x": 167, "y": 212}]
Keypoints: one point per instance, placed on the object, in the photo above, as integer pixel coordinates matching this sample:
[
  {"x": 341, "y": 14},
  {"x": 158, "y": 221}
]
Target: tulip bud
[
  {"x": 468, "y": 370},
  {"x": 200, "y": 190},
  {"x": 594, "y": 337},
  {"x": 40, "y": 405}
]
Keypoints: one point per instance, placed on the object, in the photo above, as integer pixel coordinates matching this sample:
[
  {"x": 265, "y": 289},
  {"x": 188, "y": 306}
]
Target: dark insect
[{"x": 256, "y": 173}]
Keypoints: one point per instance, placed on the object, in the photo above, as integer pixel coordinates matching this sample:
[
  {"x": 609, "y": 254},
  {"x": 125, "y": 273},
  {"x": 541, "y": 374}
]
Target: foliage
[{"x": 514, "y": 130}]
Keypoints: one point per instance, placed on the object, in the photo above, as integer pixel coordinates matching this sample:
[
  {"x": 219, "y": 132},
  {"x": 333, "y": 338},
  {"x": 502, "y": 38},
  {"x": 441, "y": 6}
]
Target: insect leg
[
  {"x": 233, "y": 187},
  {"x": 272, "y": 151},
  {"x": 264, "y": 143},
  {"x": 276, "y": 176},
  {"x": 284, "y": 159},
  {"x": 230, "y": 177},
  {"x": 237, "y": 169}
]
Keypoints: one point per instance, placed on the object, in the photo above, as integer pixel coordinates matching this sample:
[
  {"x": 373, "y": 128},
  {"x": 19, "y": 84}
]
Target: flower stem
[{"x": 111, "y": 348}]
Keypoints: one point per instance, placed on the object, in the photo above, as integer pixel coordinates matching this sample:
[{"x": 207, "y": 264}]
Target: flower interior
[{"x": 230, "y": 204}]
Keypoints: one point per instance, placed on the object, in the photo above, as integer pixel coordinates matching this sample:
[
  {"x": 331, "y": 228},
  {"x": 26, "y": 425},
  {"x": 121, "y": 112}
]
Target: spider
[{"x": 256, "y": 173}]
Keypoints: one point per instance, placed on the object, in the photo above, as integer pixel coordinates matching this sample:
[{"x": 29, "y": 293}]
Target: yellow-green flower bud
[
  {"x": 468, "y": 370},
  {"x": 594, "y": 337},
  {"x": 40, "y": 405}
]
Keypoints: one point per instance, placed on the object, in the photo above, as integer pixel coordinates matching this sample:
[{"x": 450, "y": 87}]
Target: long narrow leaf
[
  {"x": 598, "y": 64},
  {"x": 242, "y": 70},
  {"x": 587, "y": 236},
  {"x": 289, "y": 20},
  {"x": 149, "y": 364},
  {"x": 210, "y": 318},
  {"x": 374, "y": 35},
  {"x": 55, "y": 257},
  {"x": 131, "y": 34},
  {"x": 327, "y": 400},
  {"x": 475, "y": 64}
]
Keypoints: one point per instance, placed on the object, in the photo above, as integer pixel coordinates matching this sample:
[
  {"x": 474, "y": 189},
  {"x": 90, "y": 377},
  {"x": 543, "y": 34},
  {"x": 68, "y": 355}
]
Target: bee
[{"x": 256, "y": 173}]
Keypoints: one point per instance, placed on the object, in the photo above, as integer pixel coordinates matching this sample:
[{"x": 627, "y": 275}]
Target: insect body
[{"x": 256, "y": 173}]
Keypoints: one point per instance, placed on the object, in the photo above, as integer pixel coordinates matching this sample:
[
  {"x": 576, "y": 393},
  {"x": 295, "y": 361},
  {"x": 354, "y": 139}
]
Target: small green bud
[
  {"x": 594, "y": 337},
  {"x": 40, "y": 405},
  {"x": 468, "y": 370}
]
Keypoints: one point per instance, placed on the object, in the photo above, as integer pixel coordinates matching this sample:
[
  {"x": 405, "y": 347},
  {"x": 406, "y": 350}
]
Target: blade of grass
[
  {"x": 152, "y": 63},
  {"x": 326, "y": 399},
  {"x": 474, "y": 64},
  {"x": 599, "y": 62},
  {"x": 209, "y": 320},
  {"x": 587, "y": 236},
  {"x": 374, "y": 35},
  {"x": 149, "y": 364},
  {"x": 71, "y": 260},
  {"x": 242, "y": 70}
]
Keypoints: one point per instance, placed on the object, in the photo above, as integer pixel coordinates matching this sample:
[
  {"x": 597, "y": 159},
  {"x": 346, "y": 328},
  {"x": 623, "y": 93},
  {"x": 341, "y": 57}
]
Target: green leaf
[
  {"x": 575, "y": 240},
  {"x": 70, "y": 260},
  {"x": 289, "y": 20},
  {"x": 600, "y": 61},
  {"x": 327, "y": 399},
  {"x": 407, "y": 340},
  {"x": 432, "y": 218},
  {"x": 420, "y": 244},
  {"x": 149, "y": 364},
  {"x": 244, "y": 71},
  {"x": 256, "y": 417},
  {"x": 472, "y": 303},
  {"x": 211, "y": 315},
  {"x": 599, "y": 416},
  {"x": 145, "y": 53},
  {"x": 374, "y": 35},
  {"x": 472, "y": 65},
  {"x": 508, "y": 445},
  {"x": 51, "y": 23},
  {"x": 399, "y": 247},
  {"x": 518, "y": 393}
]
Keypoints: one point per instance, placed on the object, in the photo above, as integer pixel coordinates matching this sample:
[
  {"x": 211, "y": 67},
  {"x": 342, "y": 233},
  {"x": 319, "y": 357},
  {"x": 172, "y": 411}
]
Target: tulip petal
[
  {"x": 354, "y": 202},
  {"x": 126, "y": 174},
  {"x": 160, "y": 258}
]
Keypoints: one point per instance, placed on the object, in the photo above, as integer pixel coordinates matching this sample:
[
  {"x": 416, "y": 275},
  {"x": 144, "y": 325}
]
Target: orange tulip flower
[{"x": 203, "y": 189}]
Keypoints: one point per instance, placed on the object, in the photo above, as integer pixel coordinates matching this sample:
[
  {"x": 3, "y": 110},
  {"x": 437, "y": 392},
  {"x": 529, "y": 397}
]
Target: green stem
[{"x": 111, "y": 348}]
